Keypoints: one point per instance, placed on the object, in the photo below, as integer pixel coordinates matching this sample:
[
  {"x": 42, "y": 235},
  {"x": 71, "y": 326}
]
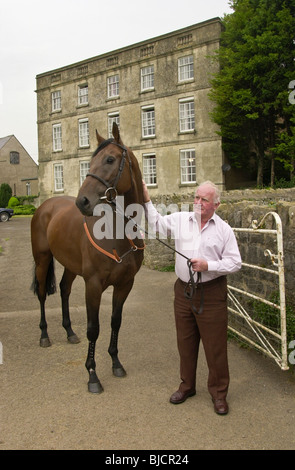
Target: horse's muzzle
[{"x": 84, "y": 205}]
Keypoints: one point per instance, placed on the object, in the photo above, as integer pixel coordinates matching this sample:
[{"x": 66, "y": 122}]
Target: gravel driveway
[{"x": 44, "y": 402}]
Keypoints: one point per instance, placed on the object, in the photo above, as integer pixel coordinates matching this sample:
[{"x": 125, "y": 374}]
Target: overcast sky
[{"x": 37, "y": 36}]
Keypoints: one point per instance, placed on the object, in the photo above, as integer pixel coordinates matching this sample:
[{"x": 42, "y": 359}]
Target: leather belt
[{"x": 206, "y": 283}]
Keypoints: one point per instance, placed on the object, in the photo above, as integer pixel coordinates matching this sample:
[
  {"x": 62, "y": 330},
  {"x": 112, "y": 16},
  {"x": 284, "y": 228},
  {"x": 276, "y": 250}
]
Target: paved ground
[{"x": 44, "y": 402}]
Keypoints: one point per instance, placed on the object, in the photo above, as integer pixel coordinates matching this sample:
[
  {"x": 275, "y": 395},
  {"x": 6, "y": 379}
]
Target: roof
[{"x": 4, "y": 140}]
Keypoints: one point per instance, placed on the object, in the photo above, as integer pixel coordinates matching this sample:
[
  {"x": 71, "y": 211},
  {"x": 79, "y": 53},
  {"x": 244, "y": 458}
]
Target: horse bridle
[{"x": 111, "y": 191}]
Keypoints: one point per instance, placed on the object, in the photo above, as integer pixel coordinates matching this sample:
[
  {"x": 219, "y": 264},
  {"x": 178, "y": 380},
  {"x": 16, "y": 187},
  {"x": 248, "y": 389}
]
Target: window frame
[
  {"x": 148, "y": 123},
  {"x": 28, "y": 189},
  {"x": 56, "y": 139},
  {"x": 56, "y": 101},
  {"x": 58, "y": 178},
  {"x": 186, "y": 68},
  {"x": 187, "y": 120},
  {"x": 113, "y": 86},
  {"x": 188, "y": 172},
  {"x": 82, "y": 95},
  {"x": 113, "y": 117},
  {"x": 149, "y": 77},
  {"x": 83, "y": 171},
  {"x": 14, "y": 157},
  {"x": 149, "y": 171},
  {"x": 83, "y": 136}
]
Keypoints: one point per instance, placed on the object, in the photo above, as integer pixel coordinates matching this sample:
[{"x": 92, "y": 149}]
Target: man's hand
[{"x": 199, "y": 265}]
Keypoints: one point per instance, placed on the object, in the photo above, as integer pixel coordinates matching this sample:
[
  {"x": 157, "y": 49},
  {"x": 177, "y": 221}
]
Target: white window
[
  {"x": 188, "y": 166},
  {"x": 83, "y": 133},
  {"x": 113, "y": 86},
  {"x": 149, "y": 169},
  {"x": 113, "y": 117},
  {"x": 56, "y": 101},
  {"x": 56, "y": 137},
  {"x": 147, "y": 78},
  {"x": 84, "y": 169},
  {"x": 82, "y": 95},
  {"x": 58, "y": 177},
  {"x": 148, "y": 122},
  {"x": 185, "y": 68},
  {"x": 186, "y": 115},
  {"x": 28, "y": 189}
]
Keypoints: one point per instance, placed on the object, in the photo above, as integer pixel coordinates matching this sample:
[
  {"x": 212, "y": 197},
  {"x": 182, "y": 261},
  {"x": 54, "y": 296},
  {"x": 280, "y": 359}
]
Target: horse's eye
[{"x": 110, "y": 160}]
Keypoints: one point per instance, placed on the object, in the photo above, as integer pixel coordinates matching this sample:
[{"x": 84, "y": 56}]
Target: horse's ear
[
  {"x": 116, "y": 134},
  {"x": 100, "y": 139}
]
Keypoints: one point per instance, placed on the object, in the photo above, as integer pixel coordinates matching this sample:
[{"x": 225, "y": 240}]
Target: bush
[
  {"x": 24, "y": 210},
  {"x": 13, "y": 201},
  {"x": 5, "y": 194}
]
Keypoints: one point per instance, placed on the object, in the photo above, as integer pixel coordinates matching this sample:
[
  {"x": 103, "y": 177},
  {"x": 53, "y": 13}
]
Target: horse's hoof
[
  {"x": 45, "y": 342},
  {"x": 73, "y": 339},
  {"x": 95, "y": 387},
  {"x": 119, "y": 372}
]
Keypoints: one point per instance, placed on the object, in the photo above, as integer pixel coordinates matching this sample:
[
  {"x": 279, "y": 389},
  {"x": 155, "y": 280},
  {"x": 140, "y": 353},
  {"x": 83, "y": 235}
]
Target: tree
[
  {"x": 5, "y": 194},
  {"x": 256, "y": 59}
]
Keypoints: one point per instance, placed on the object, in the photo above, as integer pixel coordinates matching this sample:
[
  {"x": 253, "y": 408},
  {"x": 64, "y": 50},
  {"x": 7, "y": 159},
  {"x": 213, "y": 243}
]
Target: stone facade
[
  {"x": 17, "y": 168},
  {"x": 174, "y": 99}
]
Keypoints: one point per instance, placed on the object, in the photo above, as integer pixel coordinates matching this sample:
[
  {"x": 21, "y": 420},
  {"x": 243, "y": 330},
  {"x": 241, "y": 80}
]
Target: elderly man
[{"x": 210, "y": 244}]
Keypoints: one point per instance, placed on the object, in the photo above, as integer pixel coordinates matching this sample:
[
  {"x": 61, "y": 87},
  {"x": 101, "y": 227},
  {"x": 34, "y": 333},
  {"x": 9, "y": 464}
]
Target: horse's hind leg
[
  {"x": 65, "y": 290},
  {"x": 44, "y": 283}
]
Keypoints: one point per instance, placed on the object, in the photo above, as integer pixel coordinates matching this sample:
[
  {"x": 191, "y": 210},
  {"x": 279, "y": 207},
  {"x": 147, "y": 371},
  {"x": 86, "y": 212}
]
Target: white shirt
[{"x": 216, "y": 242}]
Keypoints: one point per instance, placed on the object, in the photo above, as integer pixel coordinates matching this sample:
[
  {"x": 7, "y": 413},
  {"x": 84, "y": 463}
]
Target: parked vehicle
[{"x": 5, "y": 214}]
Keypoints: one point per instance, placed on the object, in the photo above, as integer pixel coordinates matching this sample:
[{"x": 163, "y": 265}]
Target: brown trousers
[{"x": 210, "y": 326}]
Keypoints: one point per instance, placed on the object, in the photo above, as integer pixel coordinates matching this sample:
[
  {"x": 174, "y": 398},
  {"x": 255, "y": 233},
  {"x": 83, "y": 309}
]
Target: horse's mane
[{"x": 102, "y": 146}]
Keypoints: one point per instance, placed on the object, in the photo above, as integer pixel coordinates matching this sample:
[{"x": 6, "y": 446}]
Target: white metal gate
[{"x": 266, "y": 339}]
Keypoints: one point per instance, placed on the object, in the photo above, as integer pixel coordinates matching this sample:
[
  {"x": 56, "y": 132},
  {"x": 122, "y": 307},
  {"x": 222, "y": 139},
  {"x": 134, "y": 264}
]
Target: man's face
[{"x": 204, "y": 204}]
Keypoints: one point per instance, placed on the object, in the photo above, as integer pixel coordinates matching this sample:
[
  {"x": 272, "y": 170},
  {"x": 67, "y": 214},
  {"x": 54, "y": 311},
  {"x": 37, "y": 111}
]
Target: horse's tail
[{"x": 50, "y": 280}]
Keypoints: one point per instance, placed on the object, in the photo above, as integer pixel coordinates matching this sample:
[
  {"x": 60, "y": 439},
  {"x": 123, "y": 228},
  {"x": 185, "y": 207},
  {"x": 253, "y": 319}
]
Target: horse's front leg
[
  {"x": 93, "y": 297},
  {"x": 119, "y": 296}
]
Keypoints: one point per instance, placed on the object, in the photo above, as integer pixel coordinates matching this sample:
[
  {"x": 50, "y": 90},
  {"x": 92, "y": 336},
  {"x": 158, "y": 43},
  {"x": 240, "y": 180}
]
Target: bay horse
[{"x": 63, "y": 228}]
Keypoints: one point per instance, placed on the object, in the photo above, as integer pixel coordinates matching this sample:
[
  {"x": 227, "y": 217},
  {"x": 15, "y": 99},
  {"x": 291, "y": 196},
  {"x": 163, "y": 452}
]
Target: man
[{"x": 210, "y": 244}]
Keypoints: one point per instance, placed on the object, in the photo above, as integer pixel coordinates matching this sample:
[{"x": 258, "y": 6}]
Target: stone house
[
  {"x": 157, "y": 92},
  {"x": 17, "y": 168}
]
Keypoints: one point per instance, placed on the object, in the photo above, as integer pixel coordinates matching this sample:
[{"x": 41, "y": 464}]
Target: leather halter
[{"x": 111, "y": 191}]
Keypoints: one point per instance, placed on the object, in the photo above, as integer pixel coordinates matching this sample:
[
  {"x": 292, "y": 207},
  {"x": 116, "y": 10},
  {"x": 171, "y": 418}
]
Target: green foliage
[
  {"x": 19, "y": 208},
  {"x": 5, "y": 194},
  {"x": 22, "y": 199},
  {"x": 282, "y": 183},
  {"x": 166, "y": 269},
  {"x": 270, "y": 316},
  {"x": 251, "y": 89},
  {"x": 13, "y": 201},
  {"x": 24, "y": 210}
]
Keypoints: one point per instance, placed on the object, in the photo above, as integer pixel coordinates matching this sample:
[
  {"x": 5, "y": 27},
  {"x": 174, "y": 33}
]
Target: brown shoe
[
  {"x": 220, "y": 406},
  {"x": 179, "y": 397}
]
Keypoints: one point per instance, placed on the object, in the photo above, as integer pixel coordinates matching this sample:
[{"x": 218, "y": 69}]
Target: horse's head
[{"x": 110, "y": 173}]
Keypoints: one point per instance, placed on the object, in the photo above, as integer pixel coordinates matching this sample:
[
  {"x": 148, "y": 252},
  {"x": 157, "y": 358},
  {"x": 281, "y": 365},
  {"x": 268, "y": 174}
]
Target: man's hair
[{"x": 215, "y": 188}]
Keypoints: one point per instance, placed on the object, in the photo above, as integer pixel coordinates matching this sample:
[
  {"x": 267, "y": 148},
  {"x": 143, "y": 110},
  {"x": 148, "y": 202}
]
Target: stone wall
[{"x": 239, "y": 208}]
